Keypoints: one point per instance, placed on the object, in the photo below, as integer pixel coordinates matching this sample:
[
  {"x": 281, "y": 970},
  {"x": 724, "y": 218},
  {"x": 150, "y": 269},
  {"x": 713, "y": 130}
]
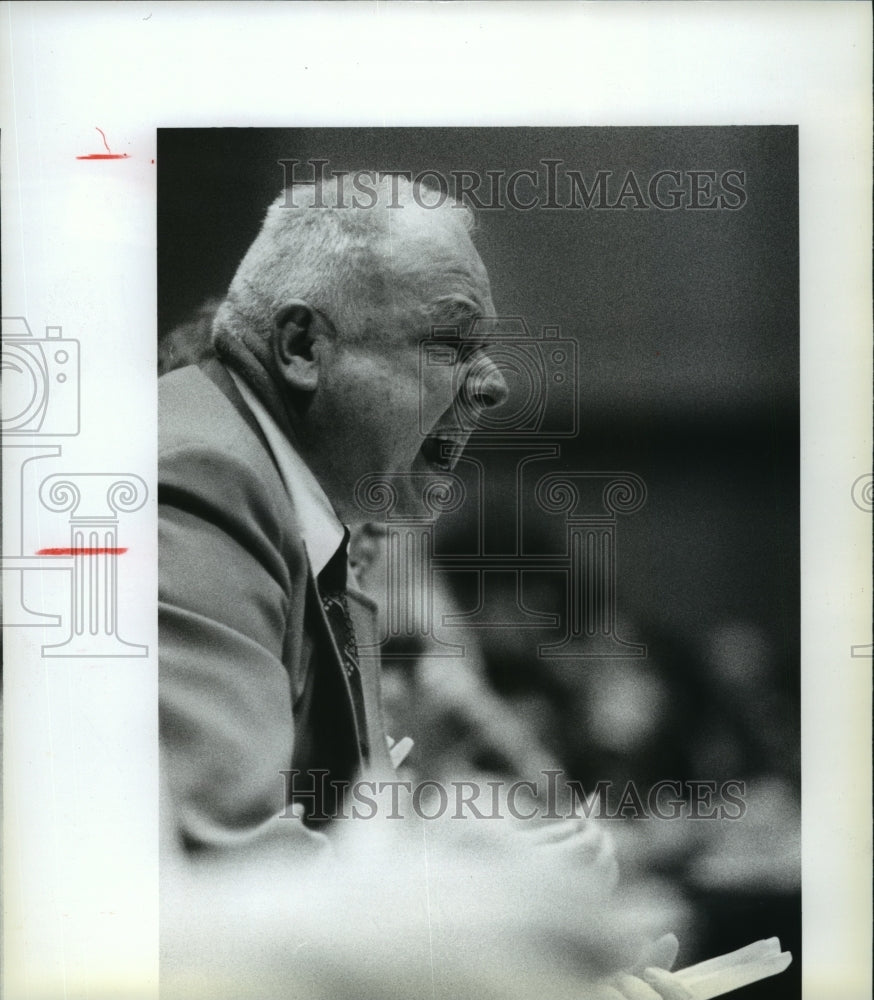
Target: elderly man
[{"x": 316, "y": 385}]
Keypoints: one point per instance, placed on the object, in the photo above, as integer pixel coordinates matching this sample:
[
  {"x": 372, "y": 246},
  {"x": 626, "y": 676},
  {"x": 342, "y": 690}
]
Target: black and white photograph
[
  {"x": 539, "y": 390},
  {"x": 437, "y": 501}
]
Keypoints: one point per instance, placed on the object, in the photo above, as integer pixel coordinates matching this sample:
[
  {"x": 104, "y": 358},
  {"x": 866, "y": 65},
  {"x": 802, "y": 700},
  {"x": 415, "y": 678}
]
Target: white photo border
[{"x": 80, "y": 754}]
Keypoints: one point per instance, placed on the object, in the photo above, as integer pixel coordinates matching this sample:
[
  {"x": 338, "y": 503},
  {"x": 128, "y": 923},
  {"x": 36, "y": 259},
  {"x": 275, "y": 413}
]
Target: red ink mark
[
  {"x": 80, "y": 552},
  {"x": 108, "y": 155}
]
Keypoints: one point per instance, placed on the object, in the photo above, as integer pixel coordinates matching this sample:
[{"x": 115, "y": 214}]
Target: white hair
[{"x": 317, "y": 246}]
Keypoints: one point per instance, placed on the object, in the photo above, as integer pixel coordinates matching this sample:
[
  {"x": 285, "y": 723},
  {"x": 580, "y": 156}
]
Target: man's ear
[{"x": 294, "y": 350}]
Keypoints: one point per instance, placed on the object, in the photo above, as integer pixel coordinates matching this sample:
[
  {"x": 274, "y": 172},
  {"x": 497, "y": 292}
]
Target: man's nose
[{"x": 486, "y": 386}]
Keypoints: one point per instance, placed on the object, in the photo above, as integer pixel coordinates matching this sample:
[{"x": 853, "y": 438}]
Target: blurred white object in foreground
[{"x": 718, "y": 976}]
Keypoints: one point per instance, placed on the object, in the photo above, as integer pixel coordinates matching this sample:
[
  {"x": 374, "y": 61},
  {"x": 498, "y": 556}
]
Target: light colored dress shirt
[{"x": 320, "y": 527}]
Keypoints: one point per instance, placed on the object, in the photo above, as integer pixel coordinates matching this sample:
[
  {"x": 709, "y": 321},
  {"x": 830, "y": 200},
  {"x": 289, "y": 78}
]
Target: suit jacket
[{"x": 251, "y": 682}]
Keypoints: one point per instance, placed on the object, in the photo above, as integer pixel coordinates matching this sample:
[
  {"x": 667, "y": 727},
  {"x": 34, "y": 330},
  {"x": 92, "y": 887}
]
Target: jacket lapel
[{"x": 361, "y": 609}]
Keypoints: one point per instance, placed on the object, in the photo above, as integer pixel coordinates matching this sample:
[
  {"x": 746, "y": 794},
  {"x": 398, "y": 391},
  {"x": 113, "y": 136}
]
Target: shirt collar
[{"x": 320, "y": 528}]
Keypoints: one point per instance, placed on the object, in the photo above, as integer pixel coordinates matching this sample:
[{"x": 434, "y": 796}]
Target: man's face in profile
[{"x": 398, "y": 415}]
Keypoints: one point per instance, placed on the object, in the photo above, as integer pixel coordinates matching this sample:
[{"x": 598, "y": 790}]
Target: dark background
[{"x": 688, "y": 331}]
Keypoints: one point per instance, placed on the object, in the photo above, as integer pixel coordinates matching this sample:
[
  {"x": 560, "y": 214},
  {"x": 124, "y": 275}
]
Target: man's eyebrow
[
  {"x": 466, "y": 347},
  {"x": 477, "y": 344},
  {"x": 451, "y": 335},
  {"x": 455, "y": 308}
]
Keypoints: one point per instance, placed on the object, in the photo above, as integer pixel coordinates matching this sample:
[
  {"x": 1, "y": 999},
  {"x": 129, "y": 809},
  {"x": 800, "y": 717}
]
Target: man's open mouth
[{"x": 439, "y": 452}]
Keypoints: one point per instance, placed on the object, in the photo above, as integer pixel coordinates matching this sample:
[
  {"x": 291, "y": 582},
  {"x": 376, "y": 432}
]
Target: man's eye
[
  {"x": 454, "y": 351},
  {"x": 465, "y": 352},
  {"x": 471, "y": 350}
]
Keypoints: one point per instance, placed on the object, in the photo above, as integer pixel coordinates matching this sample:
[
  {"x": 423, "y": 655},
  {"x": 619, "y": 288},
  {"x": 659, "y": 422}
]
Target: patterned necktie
[{"x": 332, "y": 591}]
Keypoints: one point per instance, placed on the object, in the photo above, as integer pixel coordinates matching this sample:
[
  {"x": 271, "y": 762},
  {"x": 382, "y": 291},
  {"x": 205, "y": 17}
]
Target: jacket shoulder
[
  {"x": 212, "y": 464},
  {"x": 192, "y": 408}
]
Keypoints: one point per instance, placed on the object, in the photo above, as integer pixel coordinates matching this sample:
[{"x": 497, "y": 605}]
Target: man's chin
[{"x": 424, "y": 466}]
